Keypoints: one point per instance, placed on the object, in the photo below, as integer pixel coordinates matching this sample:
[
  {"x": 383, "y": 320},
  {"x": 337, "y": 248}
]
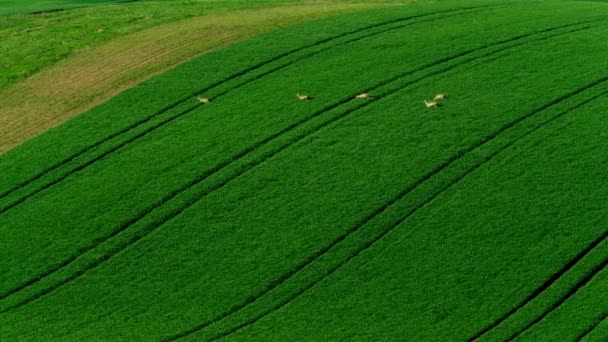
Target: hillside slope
[
  {"x": 55, "y": 65},
  {"x": 261, "y": 217}
]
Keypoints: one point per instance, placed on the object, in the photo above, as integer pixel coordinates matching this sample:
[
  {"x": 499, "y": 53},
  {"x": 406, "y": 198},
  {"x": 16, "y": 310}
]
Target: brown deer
[
  {"x": 439, "y": 97},
  {"x": 303, "y": 97},
  {"x": 203, "y": 100},
  {"x": 431, "y": 104}
]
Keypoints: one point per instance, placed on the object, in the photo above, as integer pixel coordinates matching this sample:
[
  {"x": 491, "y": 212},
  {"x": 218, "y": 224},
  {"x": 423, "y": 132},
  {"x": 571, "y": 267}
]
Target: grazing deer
[
  {"x": 439, "y": 97},
  {"x": 303, "y": 97},
  {"x": 431, "y": 104},
  {"x": 203, "y": 100},
  {"x": 363, "y": 96}
]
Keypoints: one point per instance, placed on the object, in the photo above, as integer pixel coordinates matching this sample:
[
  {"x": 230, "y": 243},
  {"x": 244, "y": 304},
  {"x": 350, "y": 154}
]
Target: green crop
[{"x": 262, "y": 217}]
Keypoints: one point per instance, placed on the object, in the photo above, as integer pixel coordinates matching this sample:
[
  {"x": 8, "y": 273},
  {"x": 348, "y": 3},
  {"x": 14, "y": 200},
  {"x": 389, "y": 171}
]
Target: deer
[
  {"x": 303, "y": 97},
  {"x": 363, "y": 96},
  {"x": 439, "y": 97},
  {"x": 203, "y": 100},
  {"x": 431, "y": 104}
]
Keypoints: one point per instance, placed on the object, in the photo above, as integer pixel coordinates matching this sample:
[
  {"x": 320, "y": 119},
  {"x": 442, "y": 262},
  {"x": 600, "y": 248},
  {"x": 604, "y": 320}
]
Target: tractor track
[
  {"x": 175, "y": 213},
  {"x": 197, "y": 180},
  {"x": 401, "y": 195},
  {"x": 213, "y": 86},
  {"x": 584, "y": 281},
  {"x": 538, "y": 291},
  {"x": 592, "y": 327}
]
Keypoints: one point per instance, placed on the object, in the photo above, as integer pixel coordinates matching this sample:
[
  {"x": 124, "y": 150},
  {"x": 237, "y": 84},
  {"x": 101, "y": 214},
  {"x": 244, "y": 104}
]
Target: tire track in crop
[
  {"x": 584, "y": 281},
  {"x": 538, "y": 291},
  {"x": 385, "y": 207},
  {"x": 293, "y": 126},
  {"x": 199, "y": 179},
  {"x": 209, "y": 88},
  {"x": 210, "y": 172},
  {"x": 185, "y": 112},
  {"x": 264, "y": 158},
  {"x": 592, "y": 328}
]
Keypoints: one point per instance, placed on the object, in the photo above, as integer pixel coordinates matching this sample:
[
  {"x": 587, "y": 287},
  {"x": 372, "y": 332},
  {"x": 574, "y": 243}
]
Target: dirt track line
[
  {"x": 557, "y": 304},
  {"x": 207, "y": 89},
  {"x": 385, "y": 207},
  {"x": 242, "y": 154},
  {"x": 592, "y": 328},
  {"x": 171, "y": 195},
  {"x": 411, "y": 212}
]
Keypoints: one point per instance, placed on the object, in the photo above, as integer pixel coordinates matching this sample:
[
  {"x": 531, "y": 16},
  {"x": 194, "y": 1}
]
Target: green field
[{"x": 262, "y": 217}]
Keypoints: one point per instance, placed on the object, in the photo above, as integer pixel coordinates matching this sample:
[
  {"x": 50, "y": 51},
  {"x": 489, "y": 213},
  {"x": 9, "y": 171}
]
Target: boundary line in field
[
  {"x": 579, "y": 285},
  {"x": 209, "y": 88},
  {"x": 410, "y": 213},
  {"x": 217, "y": 186}
]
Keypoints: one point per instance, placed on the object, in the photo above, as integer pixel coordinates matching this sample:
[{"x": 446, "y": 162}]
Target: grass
[
  {"x": 32, "y": 106},
  {"x": 9, "y": 7},
  {"x": 260, "y": 217}
]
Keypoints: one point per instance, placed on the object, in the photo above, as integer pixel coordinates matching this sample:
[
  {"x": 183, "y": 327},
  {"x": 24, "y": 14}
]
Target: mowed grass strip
[
  {"x": 299, "y": 167},
  {"x": 54, "y": 95},
  {"x": 202, "y": 178}
]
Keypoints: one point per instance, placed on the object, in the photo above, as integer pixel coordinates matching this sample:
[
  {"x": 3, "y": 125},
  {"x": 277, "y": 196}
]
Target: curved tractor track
[
  {"x": 217, "y": 168},
  {"x": 174, "y": 213},
  {"x": 315, "y": 266},
  {"x": 191, "y": 108},
  {"x": 436, "y": 63},
  {"x": 549, "y": 282},
  {"x": 589, "y": 330},
  {"x": 456, "y": 158},
  {"x": 584, "y": 281}
]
